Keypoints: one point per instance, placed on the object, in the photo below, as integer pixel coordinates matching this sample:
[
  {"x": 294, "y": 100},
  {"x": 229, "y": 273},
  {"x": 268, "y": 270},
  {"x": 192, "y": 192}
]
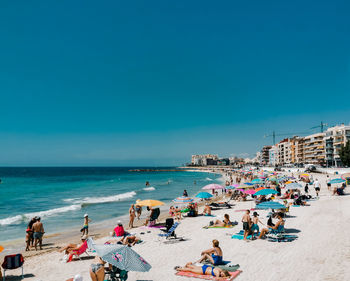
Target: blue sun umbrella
[
  {"x": 122, "y": 256},
  {"x": 270, "y": 205},
  {"x": 294, "y": 185},
  {"x": 266, "y": 191},
  {"x": 255, "y": 181},
  {"x": 338, "y": 180},
  {"x": 204, "y": 195}
]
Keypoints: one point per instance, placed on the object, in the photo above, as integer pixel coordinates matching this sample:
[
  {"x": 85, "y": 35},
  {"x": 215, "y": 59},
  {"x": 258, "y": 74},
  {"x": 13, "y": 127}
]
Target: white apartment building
[
  {"x": 314, "y": 149},
  {"x": 202, "y": 160},
  {"x": 334, "y": 138},
  {"x": 273, "y": 155}
]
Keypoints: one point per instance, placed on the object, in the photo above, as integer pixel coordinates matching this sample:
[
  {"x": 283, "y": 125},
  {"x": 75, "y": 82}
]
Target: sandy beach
[{"x": 321, "y": 252}]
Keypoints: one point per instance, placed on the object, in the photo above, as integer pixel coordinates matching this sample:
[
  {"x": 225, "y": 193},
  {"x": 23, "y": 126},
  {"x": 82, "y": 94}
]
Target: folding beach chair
[
  {"x": 171, "y": 232},
  {"x": 12, "y": 262},
  {"x": 77, "y": 253}
]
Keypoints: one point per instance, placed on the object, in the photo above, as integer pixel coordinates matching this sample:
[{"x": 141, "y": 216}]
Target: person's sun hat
[{"x": 86, "y": 215}]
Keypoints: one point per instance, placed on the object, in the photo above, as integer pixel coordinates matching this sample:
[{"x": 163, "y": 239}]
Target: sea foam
[{"x": 149, "y": 188}]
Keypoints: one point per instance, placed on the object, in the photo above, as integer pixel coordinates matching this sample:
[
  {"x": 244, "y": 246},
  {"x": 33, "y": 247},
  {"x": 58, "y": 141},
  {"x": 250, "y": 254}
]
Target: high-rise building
[
  {"x": 273, "y": 155},
  {"x": 264, "y": 156}
]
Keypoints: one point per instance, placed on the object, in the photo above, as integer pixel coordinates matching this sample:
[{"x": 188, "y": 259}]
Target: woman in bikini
[
  {"x": 132, "y": 216},
  {"x": 213, "y": 255},
  {"x": 225, "y": 222},
  {"x": 204, "y": 270}
]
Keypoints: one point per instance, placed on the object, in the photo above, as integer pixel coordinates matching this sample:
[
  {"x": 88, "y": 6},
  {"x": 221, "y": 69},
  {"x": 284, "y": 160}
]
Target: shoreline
[{"x": 54, "y": 240}]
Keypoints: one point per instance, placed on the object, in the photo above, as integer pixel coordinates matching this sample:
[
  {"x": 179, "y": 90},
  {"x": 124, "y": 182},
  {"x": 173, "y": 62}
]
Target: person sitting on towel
[
  {"x": 213, "y": 255},
  {"x": 224, "y": 223}
]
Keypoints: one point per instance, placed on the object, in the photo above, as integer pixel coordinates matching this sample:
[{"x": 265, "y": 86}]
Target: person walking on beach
[
  {"x": 132, "y": 216},
  {"x": 306, "y": 188},
  {"x": 38, "y": 232},
  {"x": 85, "y": 229},
  {"x": 246, "y": 224},
  {"x": 317, "y": 186}
]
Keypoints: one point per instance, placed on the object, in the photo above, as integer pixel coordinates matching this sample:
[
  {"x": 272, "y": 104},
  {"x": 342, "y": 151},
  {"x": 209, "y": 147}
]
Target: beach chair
[
  {"x": 77, "y": 253},
  {"x": 171, "y": 231},
  {"x": 13, "y": 262}
]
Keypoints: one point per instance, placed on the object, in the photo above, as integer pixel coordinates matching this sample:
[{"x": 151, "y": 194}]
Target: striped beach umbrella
[
  {"x": 338, "y": 180},
  {"x": 183, "y": 200}
]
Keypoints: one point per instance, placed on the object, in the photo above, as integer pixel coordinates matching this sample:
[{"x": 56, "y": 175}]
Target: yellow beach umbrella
[
  {"x": 305, "y": 175},
  {"x": 288, "y": 182},
  {"x": 149, "y": 203},
  {"x": 1, "y": 248}
]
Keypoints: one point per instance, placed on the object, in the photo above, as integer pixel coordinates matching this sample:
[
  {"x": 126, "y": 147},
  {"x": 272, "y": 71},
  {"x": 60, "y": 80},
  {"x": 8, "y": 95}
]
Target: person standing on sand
[
  {"x": 38, "y": 230},
  {"x": 306, "y": 188},
  {"x": 317, "y": 187},
  {"x": 132, "y": 216},
  {"x": 138, "y": 211},
  {"x": 85, "y": 229},
  {"x": 246, "y": 224}
]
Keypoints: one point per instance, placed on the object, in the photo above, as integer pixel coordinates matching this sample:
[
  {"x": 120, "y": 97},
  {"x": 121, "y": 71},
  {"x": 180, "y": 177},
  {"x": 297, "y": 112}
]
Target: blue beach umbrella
[
  {"x": 255, "y": 181},
  {"x": 204, "y": 195},
  {"x": 338, "y": 180},
  {"x": 183, "y": 199},
  {"x": 122, "y": 256},
  {"x": 270, "y": 205},
  {"x": 294, "y": 185},
  {"x": 266, "y": 191}
]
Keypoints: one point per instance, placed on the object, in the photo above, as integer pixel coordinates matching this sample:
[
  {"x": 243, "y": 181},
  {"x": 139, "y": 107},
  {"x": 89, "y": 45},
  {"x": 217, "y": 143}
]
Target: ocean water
[{"x": 61, "y": 196}]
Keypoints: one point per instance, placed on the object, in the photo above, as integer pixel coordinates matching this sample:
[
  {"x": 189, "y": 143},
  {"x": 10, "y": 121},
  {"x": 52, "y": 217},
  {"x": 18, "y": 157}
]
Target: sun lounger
[
  {"x": 208, "y": 277},
  {"x": 281, "y": 237}
]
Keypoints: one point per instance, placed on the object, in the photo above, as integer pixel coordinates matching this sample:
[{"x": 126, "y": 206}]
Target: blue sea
[{"x": 61, "y": 196}]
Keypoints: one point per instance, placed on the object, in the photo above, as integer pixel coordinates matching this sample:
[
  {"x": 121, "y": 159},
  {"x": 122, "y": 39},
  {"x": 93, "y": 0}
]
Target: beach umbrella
[
  {"x": 266, "y": 191},
  {"x": 305, "y": 175},
  {"x": 345, "y": 176},
  {"x": 288, "y": 182},
  {"x": 149, "y": 203},
  {"x": 249, "y": 191},
  {"x": 255, "y": 181},
  {"x": 183, "y": 200},
  {"x": 270, "y": 205},
  {"x": 1, "y": 248},
  {"x": 204, "y": 195},
  {"x": 213, "y": 186},
  {"x": 294, "y": 185},
  {"x": 122, "y": 256},
  {"x": 338, "y": 180},
  {"x": 260, "y": 188}
]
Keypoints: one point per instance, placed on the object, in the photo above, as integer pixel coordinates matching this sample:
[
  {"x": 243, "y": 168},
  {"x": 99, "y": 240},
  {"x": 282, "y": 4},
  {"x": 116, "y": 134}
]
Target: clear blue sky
[{"x": 151, "y": 82}]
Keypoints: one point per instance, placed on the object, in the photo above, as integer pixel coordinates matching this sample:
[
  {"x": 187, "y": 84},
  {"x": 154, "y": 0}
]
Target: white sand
[{"x": 321, "y": 252}]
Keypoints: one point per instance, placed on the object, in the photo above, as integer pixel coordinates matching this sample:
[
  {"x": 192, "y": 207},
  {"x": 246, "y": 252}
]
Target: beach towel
[
  {"x": 208, "y": 277},
  {"x": 240, "y": 235},
  {"x": 214, "y": 226}
]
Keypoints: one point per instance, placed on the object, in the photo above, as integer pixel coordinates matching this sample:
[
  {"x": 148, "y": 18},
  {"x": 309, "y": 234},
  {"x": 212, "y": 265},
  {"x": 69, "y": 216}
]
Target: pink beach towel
[{"x": 209, "y": 277}]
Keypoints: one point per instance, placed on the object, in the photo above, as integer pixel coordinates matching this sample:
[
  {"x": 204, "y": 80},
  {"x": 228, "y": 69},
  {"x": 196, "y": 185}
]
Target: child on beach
[
  {"x": 255, "y": 226},
  {"x": 246, "y": 224},
  {"x": 85, "y": 229}
]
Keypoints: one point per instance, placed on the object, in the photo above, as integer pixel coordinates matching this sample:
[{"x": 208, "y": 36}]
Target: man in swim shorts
[{"x": 38, "y": 232}]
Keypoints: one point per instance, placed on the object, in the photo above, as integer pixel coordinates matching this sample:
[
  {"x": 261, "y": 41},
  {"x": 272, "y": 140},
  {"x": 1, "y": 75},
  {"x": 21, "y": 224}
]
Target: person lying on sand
[
  {"x": 213, "y": 255},
  {"x": 204, "y": 269},
  {"x": 129, "y": 240},
  {"x": 72, "y": 247},
  {"x": 265, "y": 231},
  {"x": 225, "y": 222}
]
